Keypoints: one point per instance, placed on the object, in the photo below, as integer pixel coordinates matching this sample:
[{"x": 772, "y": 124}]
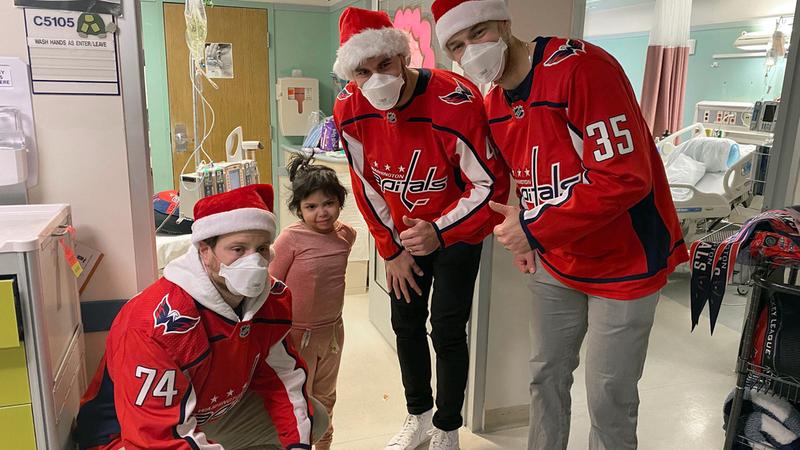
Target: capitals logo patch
[
  {"x": 461, "y": 95},
  {"x": 571, "y": 48},
  {"x": 171, "y": 319},
  {"x": 344, "y": 94}
]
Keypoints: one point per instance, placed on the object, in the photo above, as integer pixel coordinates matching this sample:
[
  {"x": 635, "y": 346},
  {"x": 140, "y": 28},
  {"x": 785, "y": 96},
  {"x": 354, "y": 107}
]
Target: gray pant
[
  {"x": 249, "y": 427},
  {"x": 617, "y": 334}
]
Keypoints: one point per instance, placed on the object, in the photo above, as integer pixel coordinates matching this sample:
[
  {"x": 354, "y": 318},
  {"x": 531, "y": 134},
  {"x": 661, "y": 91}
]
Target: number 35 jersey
[{"x": 596, "y": 202}]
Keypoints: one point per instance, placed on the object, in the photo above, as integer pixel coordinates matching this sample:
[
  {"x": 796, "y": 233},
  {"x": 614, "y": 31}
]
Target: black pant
[{"x": 452, "y": 272}]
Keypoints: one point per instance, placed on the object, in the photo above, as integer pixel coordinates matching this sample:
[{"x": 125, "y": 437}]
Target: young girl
[{"x": 311, "y": 258}]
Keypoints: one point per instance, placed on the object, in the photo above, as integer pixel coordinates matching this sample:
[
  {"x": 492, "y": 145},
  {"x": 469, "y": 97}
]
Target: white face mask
[
  {"x": 484, "y": 63},
  {"x": 383, "y": 90},
  {"x": 247, "y": 275}
]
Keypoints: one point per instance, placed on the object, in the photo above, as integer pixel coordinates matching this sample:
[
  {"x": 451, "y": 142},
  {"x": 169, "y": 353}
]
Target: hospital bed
[{"x": 716, "y": 194}]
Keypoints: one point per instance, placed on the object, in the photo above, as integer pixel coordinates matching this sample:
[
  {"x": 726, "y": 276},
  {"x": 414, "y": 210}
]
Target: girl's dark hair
[{"x": 307, "y": 178}]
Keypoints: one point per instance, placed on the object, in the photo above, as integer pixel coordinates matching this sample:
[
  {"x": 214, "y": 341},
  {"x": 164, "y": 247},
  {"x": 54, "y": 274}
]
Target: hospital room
[{"x": 322, "y": 224}]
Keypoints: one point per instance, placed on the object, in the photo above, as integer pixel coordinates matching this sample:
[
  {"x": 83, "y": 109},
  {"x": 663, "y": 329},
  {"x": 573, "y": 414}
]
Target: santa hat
[
  {"x": 452, "y": 16},
  {"x": 364, "y": 34},
  {"x": 243, "y": 209}
]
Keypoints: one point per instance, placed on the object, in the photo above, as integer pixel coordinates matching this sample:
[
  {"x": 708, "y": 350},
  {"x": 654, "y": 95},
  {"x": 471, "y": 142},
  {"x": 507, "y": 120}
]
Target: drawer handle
[{"x": 62, "y": 230}]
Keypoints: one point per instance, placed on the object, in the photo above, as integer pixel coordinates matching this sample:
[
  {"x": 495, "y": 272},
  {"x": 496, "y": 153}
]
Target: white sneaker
[
  {"x": 415, "y": 431},
  {"x": 444, "y": 440}
]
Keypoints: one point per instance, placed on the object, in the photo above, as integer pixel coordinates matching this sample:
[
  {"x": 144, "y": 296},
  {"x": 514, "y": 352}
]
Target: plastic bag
[
  {"x": 329, "y": 141},
  {"x": 315, "y": 121}
]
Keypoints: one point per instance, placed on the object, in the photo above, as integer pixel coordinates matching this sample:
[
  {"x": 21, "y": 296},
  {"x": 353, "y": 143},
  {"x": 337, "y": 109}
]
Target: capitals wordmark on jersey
[
  {"x": 403, "y": 181},
  {"x": 534, "y": 192}
]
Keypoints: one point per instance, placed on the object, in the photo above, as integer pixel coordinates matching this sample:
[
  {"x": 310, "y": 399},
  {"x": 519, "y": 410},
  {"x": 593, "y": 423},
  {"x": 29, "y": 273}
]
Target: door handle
[{"x": 181, "y": 137}]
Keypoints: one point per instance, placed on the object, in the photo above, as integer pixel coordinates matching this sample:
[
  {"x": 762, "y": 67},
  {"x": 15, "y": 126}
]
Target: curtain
[{"x": 664, "y": 86}]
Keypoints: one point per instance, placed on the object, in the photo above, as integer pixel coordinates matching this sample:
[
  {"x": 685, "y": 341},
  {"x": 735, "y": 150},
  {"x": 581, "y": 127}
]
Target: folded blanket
[
  {"x": 718, "y": 154},
  {"x": 683, "y": 169},
  {"x": 767, "y": 419}
]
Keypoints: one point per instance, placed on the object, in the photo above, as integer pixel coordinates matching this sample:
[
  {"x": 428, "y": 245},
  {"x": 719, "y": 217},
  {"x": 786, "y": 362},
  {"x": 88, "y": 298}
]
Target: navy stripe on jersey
[
  {"x": 216, "y": 338},
  {"x": 652, "y": 232},
  {"x": 499, "y": 119},
  {"x": 471, "y": 148},
  {"x": 523, "y": 91},
  {"x": 636, "y": 277},
  {"x": 457, "y": 135},
  {"x": 541, "y": 46},
  {"x": 273, "y": 321},
  {"x": 559, "y": 105},
  {"x": 532, "y": 241},
  {"x": 192, "y": 443},
  {"x": 103, "y": 427},
  {"x": 197, "y": 361},
  {"x": 419, "y": 89},
  {"x": 575, "y": 129},
  {"x": 225, "y": 319},
  {"x": 361, "y": 117}
]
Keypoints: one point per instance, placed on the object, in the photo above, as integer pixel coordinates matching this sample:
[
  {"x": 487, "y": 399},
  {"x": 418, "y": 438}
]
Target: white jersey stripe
[
  {"x": 375, "y": 199},
  {"x": 481, "y": 181},
  {"x": 577, "y": 142},
  {"x": 293, "y": 378},
  {"x": 188, "y": 428}
]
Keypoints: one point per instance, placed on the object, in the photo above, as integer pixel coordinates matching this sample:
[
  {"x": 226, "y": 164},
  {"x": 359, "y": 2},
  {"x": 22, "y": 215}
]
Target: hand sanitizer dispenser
[{"x": 13, "y": 151}]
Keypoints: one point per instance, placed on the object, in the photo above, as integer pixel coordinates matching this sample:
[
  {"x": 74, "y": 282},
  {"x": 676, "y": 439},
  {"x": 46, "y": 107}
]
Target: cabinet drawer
[
  {"x": 16, "y": 427},
  {"x": 14, "y": 389},
  {"x": 9, "y": 328}
]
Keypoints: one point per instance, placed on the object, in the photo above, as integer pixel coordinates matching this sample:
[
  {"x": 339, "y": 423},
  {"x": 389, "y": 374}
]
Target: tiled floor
[{"x": 685, "y": 383}]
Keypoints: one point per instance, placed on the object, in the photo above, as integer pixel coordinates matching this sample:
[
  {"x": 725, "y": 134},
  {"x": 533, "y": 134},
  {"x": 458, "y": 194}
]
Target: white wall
[
  {"x": 83, "y": 161},
  {"x": 639, "y": 18}
]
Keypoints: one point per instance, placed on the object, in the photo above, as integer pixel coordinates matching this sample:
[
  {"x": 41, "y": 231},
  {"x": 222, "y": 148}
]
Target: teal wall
[
  {"x": 155, "y": 78},
  {"x": 301, "y": 37},
  {"x": 708, "y": 79},
  {"x": 631, "y": 52}
]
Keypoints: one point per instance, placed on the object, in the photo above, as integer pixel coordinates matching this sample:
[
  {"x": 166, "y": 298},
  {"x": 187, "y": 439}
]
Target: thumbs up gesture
[
  {"x": 509, "y": 233},
  {"x": 420, "y": 238}
]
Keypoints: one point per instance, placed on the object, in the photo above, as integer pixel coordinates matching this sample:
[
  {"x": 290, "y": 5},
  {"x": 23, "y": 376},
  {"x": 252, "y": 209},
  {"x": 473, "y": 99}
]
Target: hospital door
[{"x": 240, "y": 100}]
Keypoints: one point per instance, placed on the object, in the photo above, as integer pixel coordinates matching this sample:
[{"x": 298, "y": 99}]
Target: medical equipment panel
[
  {"x": 765, "y": 116},
  {"x": 215, "y": 179}
]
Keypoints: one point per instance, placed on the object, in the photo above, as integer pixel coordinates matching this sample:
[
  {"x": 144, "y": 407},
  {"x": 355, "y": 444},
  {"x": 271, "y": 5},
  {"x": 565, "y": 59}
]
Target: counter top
[{"x": 22, "y": 226}]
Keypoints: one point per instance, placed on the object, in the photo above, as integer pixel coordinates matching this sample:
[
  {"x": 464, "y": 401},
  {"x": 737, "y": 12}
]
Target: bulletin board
[{"x": 415, "y": 18}]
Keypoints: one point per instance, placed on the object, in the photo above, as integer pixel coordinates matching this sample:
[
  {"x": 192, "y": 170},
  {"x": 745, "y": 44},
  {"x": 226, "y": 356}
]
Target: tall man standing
[
  {"x": 423, "y": 173},
  {"x": 595, "y": 208}
]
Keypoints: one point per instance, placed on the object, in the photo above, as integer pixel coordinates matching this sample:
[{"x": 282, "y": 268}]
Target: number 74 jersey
[{"x": 597, "y": 205}]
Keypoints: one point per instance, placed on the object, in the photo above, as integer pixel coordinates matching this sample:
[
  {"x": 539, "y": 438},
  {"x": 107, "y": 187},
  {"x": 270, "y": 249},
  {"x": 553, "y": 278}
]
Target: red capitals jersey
[
  {"x": 431, "y": 159},
  {"x": 597, "y": 205},
  {"x": 177, "y": 357}
]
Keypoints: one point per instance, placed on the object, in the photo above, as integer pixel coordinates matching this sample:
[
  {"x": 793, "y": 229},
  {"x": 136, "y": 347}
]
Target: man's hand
[
  {"x": 400, "y": 276},
  {"x": 420, "y": 238},
  {"x": 525, "y": 263},
  {"x": 510, "y": 233}
]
